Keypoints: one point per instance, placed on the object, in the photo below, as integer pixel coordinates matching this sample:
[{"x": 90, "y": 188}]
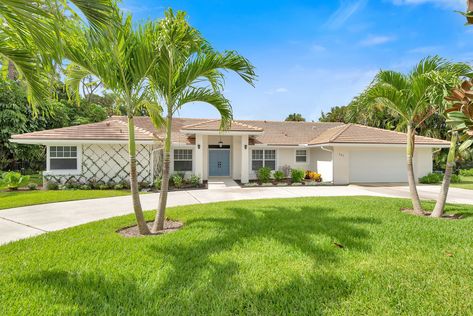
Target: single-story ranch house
[{"x": 341, "y": 153}]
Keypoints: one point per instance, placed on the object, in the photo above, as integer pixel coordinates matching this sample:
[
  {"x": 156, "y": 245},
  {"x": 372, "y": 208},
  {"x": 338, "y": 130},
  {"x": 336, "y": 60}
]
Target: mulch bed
[
  {"x": 427, "y": 214},
  {"x": 132, "y": 231}
]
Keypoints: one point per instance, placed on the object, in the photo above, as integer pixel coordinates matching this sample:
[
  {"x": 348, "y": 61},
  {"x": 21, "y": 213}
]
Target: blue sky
[{"x": 312, "y": 55}]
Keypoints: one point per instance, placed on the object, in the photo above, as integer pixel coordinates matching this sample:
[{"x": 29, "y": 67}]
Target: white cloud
[
  {"x": 376, "y": 40},
  {"x": 318, "y": 48},
  {"x": 425, "y": 50},
  {"x": 345, "y": 10},
  {"x": 452, "y": 4},
  {"x": 277, "y": 90}
]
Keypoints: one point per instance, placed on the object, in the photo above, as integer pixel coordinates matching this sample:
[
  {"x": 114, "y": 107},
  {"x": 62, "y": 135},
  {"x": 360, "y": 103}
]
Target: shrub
[
  {"x": 263, "y": 174},
  {"x": 431, "y": 178},
  {"x": 314, "y": 176},
  {"x": 13, "y": 180},
  {"x": 466, "y": 172},
  {"x": 85, "y": 187},
  {"x": 72, "y": 185},
  {"x": 278, "y": 175},
  {"x": 125, "y": 184},
  {"x": 157, "y": 183},
  {"x": 195, "y": 181},
  {"x": 455, "y": 178},
  {"x": 103, "y": 186},
  {"x": 118, "y": 186},
  {"x": 297, "y": 175},
  {"x": 177, "y": 181},
  {"x": 52, "y": 186},
  {"x": 32, "y": 186},
  {"x": 143, "y": 185},
  {"x": 286, "y": 170}
]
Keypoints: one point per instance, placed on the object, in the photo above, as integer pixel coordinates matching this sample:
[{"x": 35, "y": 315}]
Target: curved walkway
[{"x": 22, "y": 222}]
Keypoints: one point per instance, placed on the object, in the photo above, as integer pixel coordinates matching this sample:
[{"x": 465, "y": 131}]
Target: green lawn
[
  {"x": 467, "y": 183},
  {"x": 266, "y": 257},
  {"x": 24, "y": 198}
]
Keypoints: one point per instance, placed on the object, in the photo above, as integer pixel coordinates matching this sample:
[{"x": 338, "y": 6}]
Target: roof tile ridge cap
[
  {"x": 327, "y": 130},
  {"x": 200, "y": 123},
  {"x": 342, "y": 130},
  {"x": 137, "y": 128},
  {"x": 305, "y": 122},
  {"x": 401, "y": 133},
  {"x": 247, "y": 125}
]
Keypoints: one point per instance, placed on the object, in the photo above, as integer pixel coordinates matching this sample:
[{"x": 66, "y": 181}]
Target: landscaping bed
[{"x": 306, "y": 256}]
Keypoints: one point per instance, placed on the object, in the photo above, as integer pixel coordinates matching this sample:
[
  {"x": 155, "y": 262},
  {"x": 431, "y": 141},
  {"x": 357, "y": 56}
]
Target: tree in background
[
  {"x": 295, "y": 117},
  {"x": 187, "y": 70},
  {"x": 415, "y": 97}
]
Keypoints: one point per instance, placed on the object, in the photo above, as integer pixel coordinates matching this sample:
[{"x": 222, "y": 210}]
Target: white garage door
[{"x": 381, "y": 165}]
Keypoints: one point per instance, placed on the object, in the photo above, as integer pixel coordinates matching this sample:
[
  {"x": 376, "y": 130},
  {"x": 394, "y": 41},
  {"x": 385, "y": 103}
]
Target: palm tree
[
  {"x": 31, "y": 36},
  {"x": 415, "y": 97},
  {"x": 188, "y": 70},
  {"x": 295, "y": 117},
  {"x": 120, "y": 57},
  {"x": 460, "y": 118}
]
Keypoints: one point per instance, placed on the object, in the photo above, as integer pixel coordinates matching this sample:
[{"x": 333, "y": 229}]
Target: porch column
[
  {"x": 199, "y": 156},
  {"x": 244, "y": 159}
]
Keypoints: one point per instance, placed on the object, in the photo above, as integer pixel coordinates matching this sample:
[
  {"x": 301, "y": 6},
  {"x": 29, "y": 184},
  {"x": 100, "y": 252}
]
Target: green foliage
[
  {"x": 52, "y": 186},
  {"x": 456, "y": 179},
  {"x": 466, "y": 172},
  {"x": 278, "y": 175},
  {"x": 85, "y": 187},
  {"x": 194, "y": 181},
  {"x": 263, "y": 174},
  {"x": 157, "y": 183},
  {"x": 32, "y": 186},
  {"x": 295, "y": 117},
  {"x": 431, "y": 178},
  {"x": 118, "y": 186},
  {"x": 297, "y": 175},
  {"x": 177, "y": 180},
  {"x": 13, "y": 180}
]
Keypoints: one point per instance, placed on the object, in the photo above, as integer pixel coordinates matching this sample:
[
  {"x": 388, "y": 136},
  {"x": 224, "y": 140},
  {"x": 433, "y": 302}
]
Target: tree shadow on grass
[{"x": 270, "y": 260}]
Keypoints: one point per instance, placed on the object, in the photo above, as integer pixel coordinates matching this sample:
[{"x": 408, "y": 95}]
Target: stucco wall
[
  {"x": 107, "y": 163},
  {"x": 321, "y": 161}
]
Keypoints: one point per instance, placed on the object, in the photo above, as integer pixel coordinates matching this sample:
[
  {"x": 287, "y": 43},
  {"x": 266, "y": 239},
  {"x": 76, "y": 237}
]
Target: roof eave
[
  {"x": 48, "y": 141},
  {"x": 377, "y": 145}
]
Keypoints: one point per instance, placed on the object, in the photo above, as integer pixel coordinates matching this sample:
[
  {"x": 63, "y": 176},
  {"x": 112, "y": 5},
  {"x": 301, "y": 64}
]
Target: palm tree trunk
[
  {"x": 442, "y": 198},
  {"x": 410, "y": 171},
  {"x": 11, "y": 71},
  {"x": 140, "y": 219},
  {"x": 163, "y": 196}
]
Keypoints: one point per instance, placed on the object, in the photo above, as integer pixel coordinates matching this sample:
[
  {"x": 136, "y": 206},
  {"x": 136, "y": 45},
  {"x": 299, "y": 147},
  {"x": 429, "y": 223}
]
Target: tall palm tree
[
  {"x": 460, "y": 118},
  {"x": 415, "y": 97},
  {"x": 31, "y": 36},
  {"x": 120, "y": 57},
  {"x": 188, "y": 70}
]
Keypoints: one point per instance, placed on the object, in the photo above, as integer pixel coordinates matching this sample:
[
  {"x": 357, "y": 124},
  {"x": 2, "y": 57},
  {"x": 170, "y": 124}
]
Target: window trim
[
  {"x": 306, "y": 156},
  {"x": 192, "y": 159},
  {"x": 264, "y": 158},
  {"x": 78, "y": 157}
]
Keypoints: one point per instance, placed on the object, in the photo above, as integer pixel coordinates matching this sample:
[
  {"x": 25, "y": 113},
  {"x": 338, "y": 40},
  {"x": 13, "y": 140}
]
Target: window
[
  {"x": 62, "y": 157},
  {"x": 301, "y": 155},
  {"x": 182, "y": 159},
  {"x": 263, "y": 158}
]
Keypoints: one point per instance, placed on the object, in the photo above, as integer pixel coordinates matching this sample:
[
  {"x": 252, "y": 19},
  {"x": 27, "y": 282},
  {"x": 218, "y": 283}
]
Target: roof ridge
[
  {"x": 342, "y": 130},
  {"x": 394, "y": 131},
  {"x": 200, "y": 123},
  {"x": 136, "y": 127}
]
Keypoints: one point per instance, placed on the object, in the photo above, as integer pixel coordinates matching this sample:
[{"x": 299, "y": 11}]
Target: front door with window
[{"x": 219, "y": 162}]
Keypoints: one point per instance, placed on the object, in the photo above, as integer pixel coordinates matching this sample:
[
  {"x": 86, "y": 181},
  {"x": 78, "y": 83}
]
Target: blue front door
[{"x": 219, "y": 163}]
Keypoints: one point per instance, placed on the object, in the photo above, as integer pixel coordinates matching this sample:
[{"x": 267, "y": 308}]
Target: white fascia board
[
  {"x": 76, "y": 141},
  {"x": 380, "y": 145},
  {"x": 220, "y": 133},
  {"x": 305, "y": 146}
]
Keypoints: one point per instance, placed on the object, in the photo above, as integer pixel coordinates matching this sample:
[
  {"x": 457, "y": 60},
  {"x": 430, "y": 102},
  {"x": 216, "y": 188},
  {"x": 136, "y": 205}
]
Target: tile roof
[
  {"x": 214, "y": 125},
  {"x": 265, "y": 132},
  {"x": 361, "y": 134},
  {"x": 110, "y": 129}
]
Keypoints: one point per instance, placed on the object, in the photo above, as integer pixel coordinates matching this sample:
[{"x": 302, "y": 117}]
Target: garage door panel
[{"x": 378, "y": 166}]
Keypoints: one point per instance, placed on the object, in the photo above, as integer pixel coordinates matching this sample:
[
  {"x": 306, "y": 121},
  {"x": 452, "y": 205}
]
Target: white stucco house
[{"x": 341, "y": 153}]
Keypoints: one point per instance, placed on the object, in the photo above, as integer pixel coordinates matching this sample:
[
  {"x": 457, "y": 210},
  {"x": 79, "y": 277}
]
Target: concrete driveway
[{"x": 22, "y": 222}]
